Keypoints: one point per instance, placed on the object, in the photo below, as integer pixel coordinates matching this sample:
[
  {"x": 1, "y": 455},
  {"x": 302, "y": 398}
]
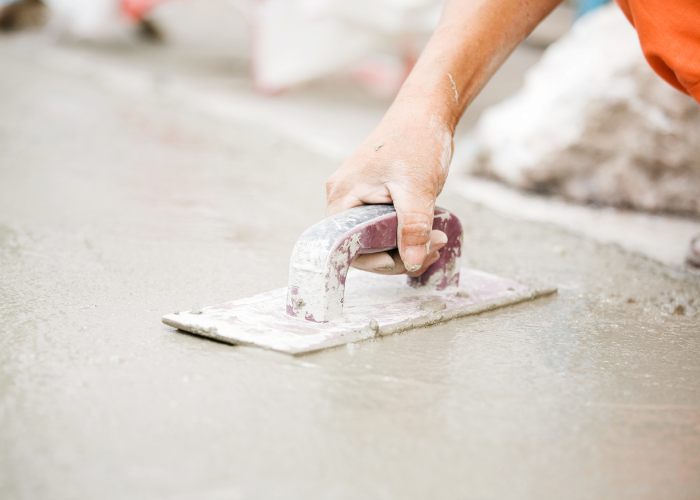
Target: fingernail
[
  {"x": 441, "y": 238},
  {"x": 413, "y": 257}
]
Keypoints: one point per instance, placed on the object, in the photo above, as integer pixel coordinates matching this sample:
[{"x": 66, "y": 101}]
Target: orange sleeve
[{"x": 669, "y": 32}]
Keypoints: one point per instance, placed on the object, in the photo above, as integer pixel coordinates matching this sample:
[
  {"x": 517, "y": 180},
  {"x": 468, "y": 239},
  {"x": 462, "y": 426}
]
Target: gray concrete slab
[{"x": 116, "y": 207}]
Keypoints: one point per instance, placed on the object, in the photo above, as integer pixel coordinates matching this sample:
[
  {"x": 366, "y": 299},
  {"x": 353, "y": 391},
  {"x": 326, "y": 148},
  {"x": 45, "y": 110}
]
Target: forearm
[
  {"x": 472, "y": 40},
  {"x": 406, "y": 158}
]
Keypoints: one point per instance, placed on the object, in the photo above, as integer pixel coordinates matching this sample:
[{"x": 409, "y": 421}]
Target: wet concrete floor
[{"x": 115, "y": 210}]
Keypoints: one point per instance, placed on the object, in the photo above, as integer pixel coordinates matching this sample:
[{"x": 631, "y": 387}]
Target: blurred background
[{"x": 566, "y": 117}]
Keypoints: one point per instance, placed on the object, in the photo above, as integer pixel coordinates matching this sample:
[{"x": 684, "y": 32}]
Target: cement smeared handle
[{"x": 323, "y": 253}]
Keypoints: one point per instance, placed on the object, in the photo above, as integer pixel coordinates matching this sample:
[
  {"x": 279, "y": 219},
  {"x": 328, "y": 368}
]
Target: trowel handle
[{"x": 323, "y": 253}]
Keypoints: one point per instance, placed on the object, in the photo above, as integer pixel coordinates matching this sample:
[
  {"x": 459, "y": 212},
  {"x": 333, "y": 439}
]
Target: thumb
[{"x": 414, "y": 212}]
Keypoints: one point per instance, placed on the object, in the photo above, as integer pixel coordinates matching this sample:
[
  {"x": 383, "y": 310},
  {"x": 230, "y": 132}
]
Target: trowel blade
[{"x": 375, "y": 305}]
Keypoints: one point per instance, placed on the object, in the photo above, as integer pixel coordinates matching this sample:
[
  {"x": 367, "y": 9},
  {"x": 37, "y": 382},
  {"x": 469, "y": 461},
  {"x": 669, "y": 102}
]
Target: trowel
[{"x": 327, "y": 303}]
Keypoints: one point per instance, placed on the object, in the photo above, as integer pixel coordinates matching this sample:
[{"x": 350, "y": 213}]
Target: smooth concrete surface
[{"x": 117, "y": 207}]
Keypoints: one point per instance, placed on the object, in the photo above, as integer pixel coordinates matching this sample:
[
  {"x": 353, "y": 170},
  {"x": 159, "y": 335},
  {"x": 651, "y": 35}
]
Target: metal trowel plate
[{"x": 375, "y": 305}]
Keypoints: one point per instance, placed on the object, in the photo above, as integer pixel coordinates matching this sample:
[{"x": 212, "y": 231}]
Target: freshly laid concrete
[{"x": 115, "y": 207}]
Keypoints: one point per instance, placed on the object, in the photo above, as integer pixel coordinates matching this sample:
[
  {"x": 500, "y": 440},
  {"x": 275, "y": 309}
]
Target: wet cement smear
[{"x": 138, "y": 207}]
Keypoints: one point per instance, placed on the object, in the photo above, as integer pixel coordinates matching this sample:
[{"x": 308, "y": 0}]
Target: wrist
[
  {"x": 426, "y": 104},
  {"x": 446, "y": 78}
]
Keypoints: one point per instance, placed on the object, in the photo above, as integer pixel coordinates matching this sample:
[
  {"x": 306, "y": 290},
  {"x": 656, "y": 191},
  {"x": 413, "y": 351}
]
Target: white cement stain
[
  {"x": 443, "y": 136},
  {"x": 453, "y": 85}
]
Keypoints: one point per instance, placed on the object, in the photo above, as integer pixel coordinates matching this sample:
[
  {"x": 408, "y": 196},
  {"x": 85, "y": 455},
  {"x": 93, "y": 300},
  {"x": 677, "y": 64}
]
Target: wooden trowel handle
[{"x": 323, "y": 253}]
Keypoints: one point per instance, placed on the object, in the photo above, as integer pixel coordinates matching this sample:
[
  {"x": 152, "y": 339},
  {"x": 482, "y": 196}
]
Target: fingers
[
  {"x": 413, "y": 196},
  {"x": 429, "y": 261},
  {"x": 341, "y": 204},
  {"x": 438, "y": 239},
  {"x": 381, "y": 263},
  {"x": 344, "y": 191},
  {"x": 415, "y": 222},
  {"x": 338, "y": 198},
  {"x": 391, "y": 263}
]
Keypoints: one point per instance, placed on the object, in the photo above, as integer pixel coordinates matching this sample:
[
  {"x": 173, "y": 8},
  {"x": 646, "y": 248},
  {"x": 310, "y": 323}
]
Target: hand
[{"x": 404, "y": 161}]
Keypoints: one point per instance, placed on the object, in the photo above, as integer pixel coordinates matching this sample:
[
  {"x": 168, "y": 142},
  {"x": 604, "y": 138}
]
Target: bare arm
[
  {"x": 471, "y": 42},
  {"x": 405, "y": 160}
]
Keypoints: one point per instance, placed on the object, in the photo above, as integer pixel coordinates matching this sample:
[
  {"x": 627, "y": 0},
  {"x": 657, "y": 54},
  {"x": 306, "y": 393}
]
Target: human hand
[{"x": 404, "y": 161}]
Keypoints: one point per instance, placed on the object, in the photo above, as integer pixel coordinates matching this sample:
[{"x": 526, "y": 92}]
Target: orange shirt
[{"x": 669, "y": 32}]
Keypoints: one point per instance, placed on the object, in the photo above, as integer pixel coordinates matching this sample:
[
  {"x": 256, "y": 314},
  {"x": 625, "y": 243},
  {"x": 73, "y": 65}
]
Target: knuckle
[
  {"x": 416, "y": 231},
  {"x": 332, "y": 189}
]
